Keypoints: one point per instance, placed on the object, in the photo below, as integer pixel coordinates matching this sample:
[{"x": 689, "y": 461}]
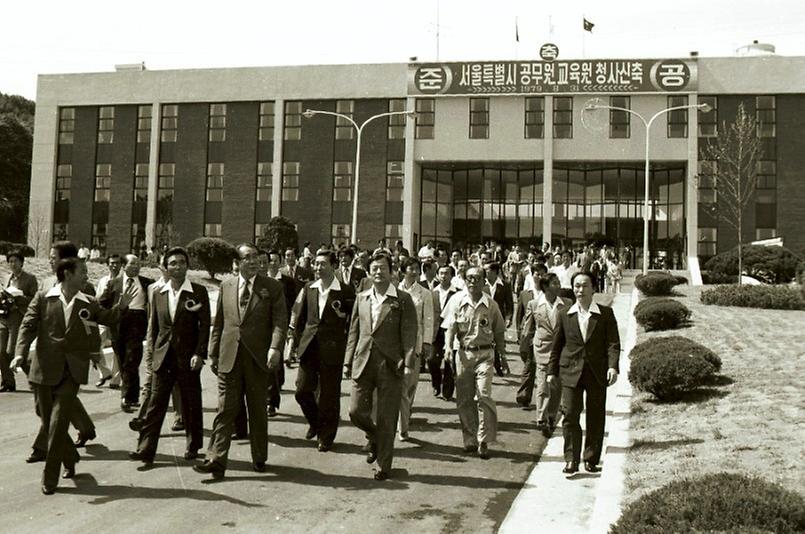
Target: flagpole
[{"x": 583, "y": 38}]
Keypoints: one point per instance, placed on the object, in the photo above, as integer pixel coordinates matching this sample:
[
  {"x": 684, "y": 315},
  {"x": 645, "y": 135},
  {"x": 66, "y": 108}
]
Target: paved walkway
[{"x": 585, "y": 502}]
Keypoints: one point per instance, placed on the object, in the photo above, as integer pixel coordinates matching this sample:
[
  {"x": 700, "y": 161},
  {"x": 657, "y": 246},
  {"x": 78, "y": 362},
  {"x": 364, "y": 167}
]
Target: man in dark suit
[
  {"x": 62, "y": 320},
  {"x": 20, "y": 287},
  {"x": 179, "y": 329},
  {"x": 441, "y": 367},
  {"x": 501, "y": 293},
  {"x": 129, "y": 332},
  {"x": 320, "y": 323},
  {"x": 380, "y": 351},
  {"x": 247, "y": 340},
  {"x": 297, "y": 272},
  {"x": 585, "y": 354},
  {"x": 349, "y": 273}
]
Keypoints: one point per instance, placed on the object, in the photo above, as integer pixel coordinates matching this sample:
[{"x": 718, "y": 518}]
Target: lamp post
[
  {"x": 309, "y": 113},
  {"x": 592, "y": 106}
]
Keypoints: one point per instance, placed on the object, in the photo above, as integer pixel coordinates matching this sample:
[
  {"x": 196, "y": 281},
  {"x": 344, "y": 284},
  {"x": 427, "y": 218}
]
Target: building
[{"x": 498, "y": 150}]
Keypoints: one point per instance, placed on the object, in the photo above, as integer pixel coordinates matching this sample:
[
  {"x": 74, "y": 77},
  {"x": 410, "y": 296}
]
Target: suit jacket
[
  {"x": 503, "y": 298},
  {"x": 525, "y": 297},
  {"x": 114, "y": 289},
  {"x": 539, "y": 326},
  {"x": 61, "y": 344},
  {"x": 331, "y": 329},
  {"x": 570, "y": 352},
  {"x": 261, "y": 327},
  {"x": 394, "y": 335},
  {"x": 301, "y": 274},
  {"x": 28, "y": 285},
  {"x": 187, "y": 333},
  {"x": 356, "y": 275}
]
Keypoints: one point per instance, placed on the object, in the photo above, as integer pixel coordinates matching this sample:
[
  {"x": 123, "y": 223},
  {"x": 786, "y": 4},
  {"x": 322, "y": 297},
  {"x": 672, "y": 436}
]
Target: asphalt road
[{"x": 435, "y": 486}]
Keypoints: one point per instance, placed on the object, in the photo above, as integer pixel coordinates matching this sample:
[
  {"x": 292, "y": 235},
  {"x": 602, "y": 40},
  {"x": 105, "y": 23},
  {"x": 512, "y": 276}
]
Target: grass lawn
[{"x": 750, "y": 423}]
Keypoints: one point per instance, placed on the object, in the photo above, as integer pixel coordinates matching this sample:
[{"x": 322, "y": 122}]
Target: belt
[{"x": 478, "y": 347}]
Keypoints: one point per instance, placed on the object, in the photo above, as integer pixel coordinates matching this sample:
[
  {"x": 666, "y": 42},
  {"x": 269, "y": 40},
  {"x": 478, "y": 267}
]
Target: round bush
[
  {"x": 773, "y": 265},
  {"x": 670, "y": 370},
  {"x": 676, "y": 345},
  {"x": 212, "y": 254},
  {"x": 661, "y": 313},
  {"x": 763, "y": 296},
  {"x": 721, "y": 502},
  {"x": 656, "y": 283}
]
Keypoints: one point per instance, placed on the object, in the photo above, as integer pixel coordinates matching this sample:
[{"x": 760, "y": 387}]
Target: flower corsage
[
  {"x": 191, "y": 305},
  {"x": 336, "y": 306},
  {"x": 84, "y": 315}
]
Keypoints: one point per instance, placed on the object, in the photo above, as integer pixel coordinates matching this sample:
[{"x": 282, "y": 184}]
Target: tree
[
  {"x": 38, "y": 229},
  {"x": 279, "y": 234},
  {"x": 736, "y": 154},
  {"x": 16, "y": 145},
  {"x": 212, "y": 254}
]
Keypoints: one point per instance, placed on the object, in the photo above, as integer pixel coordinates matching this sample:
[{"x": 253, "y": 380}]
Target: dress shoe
[
  {"x": 403, "y": 436},
  {"x": 470, "y": 448},
  {"x": 81, "y": 440},
  {"x": 591, "y": 467},
  {"x": 372, "y": 456},
  {"x": 136, "y": 424},
  {"x": 126, "y": 407},
  {"x": 272, "y": 411},
  {"x": 483, "y": 451},
  {"x": 190, "y": 455},
  {"x": 435, "y": 392},
  {"x": 381, "y": 475},
  {"x": 36, "y": 456},
  {"x": 240, "y": 435},
  {"x": 311, "y": 433},
  {"x": 8, "y": 388},
  {"x": 114, "y": 386},
  {"x": 324, "y": 447},
  {"x": 138, "y": 456},
  {"x": 69, "y": 472},
  {"x": 48, "y": 490},
  {"x": 570, "y": 468},
  {"x": 177, "y": 426},
  {"x": 259, "y": 467},
  {"x": 100, "y": 383},
  {"x": 210, "y": 468}
]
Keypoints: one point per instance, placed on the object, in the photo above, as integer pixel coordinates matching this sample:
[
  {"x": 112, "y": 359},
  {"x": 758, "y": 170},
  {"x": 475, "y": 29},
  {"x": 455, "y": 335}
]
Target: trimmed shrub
[
  {"x": 676, "y": 344},
  {"x": 721, "y": 502},
  {"x": 712, "y": 278},
  {"x": 668, "y": 368},
  {"x": 211, "y": 254},
  {"x": 656, "y": 283},
  {"x": 773, "y": 265},
  {"x": 661, "y": 313},
  {"x": 746, "y": 296}
]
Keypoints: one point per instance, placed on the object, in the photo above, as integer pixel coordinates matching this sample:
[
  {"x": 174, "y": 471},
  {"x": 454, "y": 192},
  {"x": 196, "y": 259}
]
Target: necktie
[
  {"x": 129, "y": 283},
  {"x": 244, "y": 298}
]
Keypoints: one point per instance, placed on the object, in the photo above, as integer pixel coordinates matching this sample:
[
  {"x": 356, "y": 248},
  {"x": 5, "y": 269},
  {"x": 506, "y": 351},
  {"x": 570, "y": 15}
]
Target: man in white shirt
[{"x": 564, "y": 269}]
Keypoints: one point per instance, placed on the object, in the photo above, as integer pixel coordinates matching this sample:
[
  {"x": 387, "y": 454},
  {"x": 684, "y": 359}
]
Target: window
[
  {"x": 137, "y": 236},
  {"x": 766, "y": 197},
  {"x": 141, "y": 182},
  {"x": 212, "y": 230},
  {"x": 708, "y": 122},
  {"x": 766, "y": 174},
  {"x": 60, "y": 231},
  {"x": 563, "y": 117},
  {"x": 265, "y": 172},
  {"x": 217, "y": 122},
  {"x": 395, "y": 180},
  {"x": 266, "y": 132},
  {"x": 707, "y": 181},
  {"x": 765, "y": 114},
  {"x": 707, "y": 241},
  {"x": 215, "y": 182},
  {"x": 479, "y": 118},
  {"x": 393, "y": 232},
  {"x": 290, "y": 181},
  {"x": 534, "y": 117},
  {"x": 342, "y": 181},
  {"x": 170, "y": 123},
  {"x": 103, "y": 182},
  {"x": 425, "y": 118},
  {"x": 678, "y": 118},
  {"x": 259, "y": 229},
  {"x": 293, "y": 121},
  {"x": 99, "y": 236},
  {"x": 344, "y": 128},
  {"x": 620, "y": 121},
  {"x": 340, "y": 234},
  {"x": 396, "y": 122},
  {"x": 765, "y": 233},
  {"x": 64, "y": 175},
  {"x": 66, "y": 125},
  {"x": 106, "y": 124},
  {"x": 167, "y": 172},
  {"x": 144, "y": 124}
]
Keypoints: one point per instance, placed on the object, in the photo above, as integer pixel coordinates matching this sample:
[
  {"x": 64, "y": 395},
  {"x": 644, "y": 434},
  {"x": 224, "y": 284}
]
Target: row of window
[{"x": 708, "y": 239}]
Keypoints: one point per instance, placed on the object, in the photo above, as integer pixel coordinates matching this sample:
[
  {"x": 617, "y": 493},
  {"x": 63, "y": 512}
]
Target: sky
[{"x": 46, "y": 37}]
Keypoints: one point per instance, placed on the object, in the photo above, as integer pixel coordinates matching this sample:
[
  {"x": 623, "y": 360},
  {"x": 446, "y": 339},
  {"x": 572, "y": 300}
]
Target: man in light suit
[
  {"x": 320, "y": 323},
  {"x": 380, "y": 351},
  {"x": 247, "y": 340},
  {"x": 178, "y": 332},
  {"x": 22, "y": 287},
  {"x": 585, "y": 354},
  {"x": 62, "y": 319}
]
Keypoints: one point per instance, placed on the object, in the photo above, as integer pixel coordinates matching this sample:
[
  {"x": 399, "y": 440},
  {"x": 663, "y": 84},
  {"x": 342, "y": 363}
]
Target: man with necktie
[{"x": 348, "y": 272}]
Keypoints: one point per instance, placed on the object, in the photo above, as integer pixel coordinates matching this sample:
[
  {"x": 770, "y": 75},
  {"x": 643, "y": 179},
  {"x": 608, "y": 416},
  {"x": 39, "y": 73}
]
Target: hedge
[
  {"x": 657, "y": 283},
  {"x": 670, "y": 367},
  {"x": 676, "y": 344},
  {"x": 721, "y": 502},
  {"x": 661, "y": 313},
  {"x": 773, "y": 265},
  {"x": 762, "y": 296}
]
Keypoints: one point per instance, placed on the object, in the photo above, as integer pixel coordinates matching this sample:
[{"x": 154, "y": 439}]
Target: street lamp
[
  {"x": 309, "y": 113},
  {"x": 594, "y": 105}
]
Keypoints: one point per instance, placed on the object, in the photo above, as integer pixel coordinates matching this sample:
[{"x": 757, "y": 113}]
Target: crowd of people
[{"x": 377, "y": 317}]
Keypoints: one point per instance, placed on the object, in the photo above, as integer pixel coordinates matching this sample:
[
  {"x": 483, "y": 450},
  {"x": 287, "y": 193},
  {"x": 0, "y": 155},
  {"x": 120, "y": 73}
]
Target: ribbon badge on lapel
[
  {"x": 84, "y": 315},
  {"x": 336, "y": 306},
  {"x": 191, "y": 306}
]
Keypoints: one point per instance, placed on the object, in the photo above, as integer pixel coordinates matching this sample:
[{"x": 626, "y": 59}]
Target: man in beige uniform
[{"x": 475, "y": 328}]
